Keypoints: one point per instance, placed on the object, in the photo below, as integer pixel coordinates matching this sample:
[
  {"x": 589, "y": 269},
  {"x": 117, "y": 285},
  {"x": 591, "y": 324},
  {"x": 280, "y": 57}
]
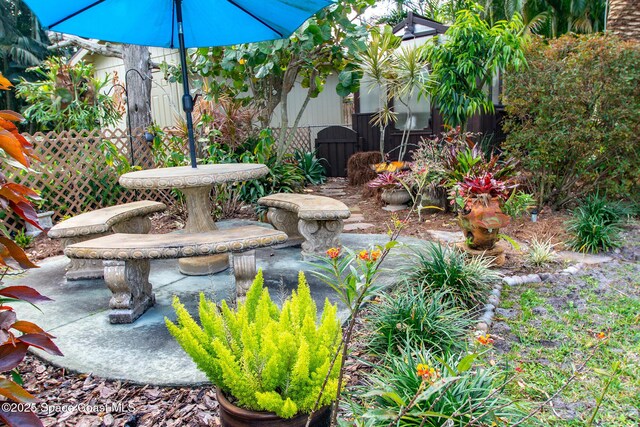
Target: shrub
[
  {"x": 413, "y": 316},
  {"x": 418, "y": 389},
  {"x": 595, "y": 224},
  {"x": 464, "y": 280},
  {"x": 518, "y": 204},
  {"x": 268, "y": 359},
  {"x": 573, "y": 118},
  {"x": 67, "y": 97}
]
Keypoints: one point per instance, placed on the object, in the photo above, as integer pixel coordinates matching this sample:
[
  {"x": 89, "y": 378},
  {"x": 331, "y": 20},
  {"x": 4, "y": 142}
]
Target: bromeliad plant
[
  {"x": 388, "y": 180},
  {"x": 480, "y": 215},
  {"x": 266, "y": 358}
]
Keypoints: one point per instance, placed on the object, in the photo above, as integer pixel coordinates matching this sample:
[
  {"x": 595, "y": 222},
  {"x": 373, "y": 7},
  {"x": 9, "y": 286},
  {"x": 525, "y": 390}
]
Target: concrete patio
[{"x": 144, "y": 352}]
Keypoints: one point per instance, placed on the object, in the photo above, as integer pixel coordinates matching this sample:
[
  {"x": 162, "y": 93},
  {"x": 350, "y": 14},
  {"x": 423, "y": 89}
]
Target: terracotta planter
[
  {"x": 395, "y": 198},
  {"x": 233, "y": 416},
  {"x": 481, "y": 223}
]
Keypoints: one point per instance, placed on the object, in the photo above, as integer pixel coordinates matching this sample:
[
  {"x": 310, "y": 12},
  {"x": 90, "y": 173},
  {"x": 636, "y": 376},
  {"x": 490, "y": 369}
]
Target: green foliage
[
  {"x": 23, "y": 44},
  {"x": 268, "y": 359},
  {"x": 540, "y": 252},
  {"x": 518, "y": 204},
  {"x": 311, "y": 167},
  {"x": 22, "y": 239},
  {"x": 460, "y": 393},
  {"x": 573, "y": 117},
  {"x": 67, "y": 97},
  {"x": 464, "y": 61},
  {"x": 595, "y": 224},
  {"x": 412, "y": 316},
  {"x": 263, "y": 74},
  {"x": 464, "y": 280}
]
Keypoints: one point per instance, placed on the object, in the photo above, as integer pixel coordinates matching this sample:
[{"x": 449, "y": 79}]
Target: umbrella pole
[{"x": 187, "y": 100}]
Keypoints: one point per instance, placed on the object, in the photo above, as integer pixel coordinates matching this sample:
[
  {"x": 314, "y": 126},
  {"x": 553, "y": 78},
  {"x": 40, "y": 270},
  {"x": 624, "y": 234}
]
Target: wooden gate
[{"x": 336, "y": 144}]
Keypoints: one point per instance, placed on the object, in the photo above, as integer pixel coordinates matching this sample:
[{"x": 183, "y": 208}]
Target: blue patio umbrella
[{"x": 181, "y": 23}]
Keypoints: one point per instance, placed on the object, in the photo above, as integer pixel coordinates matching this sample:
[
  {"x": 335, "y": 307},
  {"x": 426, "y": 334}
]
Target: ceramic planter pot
[
  {"x": 395, "y": 198},
  {"x": 45, "y": 219},
  {"x": 481, "y": 222},
  {"x": 233, "y": 416}
]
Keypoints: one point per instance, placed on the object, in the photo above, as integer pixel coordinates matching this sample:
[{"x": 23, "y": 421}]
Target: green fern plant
[{"x": 268, "y": 359}]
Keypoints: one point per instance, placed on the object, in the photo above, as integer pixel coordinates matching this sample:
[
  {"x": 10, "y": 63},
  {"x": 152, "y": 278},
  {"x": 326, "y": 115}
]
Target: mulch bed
[{"x": 135, "y": 405}]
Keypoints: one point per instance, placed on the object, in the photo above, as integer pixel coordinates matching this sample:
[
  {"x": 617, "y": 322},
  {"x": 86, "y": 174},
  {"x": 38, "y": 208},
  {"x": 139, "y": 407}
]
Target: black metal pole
[{"x": 187, "y": 100}]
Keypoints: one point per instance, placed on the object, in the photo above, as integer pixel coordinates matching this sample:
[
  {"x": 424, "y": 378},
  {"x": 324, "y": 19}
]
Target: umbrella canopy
[{"x": 177, "y": 23}]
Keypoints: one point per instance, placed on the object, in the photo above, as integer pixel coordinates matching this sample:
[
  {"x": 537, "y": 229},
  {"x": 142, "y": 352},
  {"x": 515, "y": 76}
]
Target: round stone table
[{"x": 196, "y": 186}]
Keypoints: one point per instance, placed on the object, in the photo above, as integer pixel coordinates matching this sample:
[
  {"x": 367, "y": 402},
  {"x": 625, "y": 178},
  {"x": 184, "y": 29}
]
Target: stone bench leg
[
  {"x": 80, "y": 269},
  {"x": 319, "y": 236},
  {"x": 244, "y": 268},
  {"x": 129, "y": 283},
  {"x": 287, "y": 222},
  {"x": 136, "y": 225}
]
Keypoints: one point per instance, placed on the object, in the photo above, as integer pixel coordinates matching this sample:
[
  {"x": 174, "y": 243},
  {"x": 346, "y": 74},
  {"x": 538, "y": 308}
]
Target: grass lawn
[{"x": 545, "y": 332}]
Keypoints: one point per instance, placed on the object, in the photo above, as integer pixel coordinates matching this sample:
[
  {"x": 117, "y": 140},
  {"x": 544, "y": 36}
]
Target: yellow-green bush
[{"x": 268, "y": 359}]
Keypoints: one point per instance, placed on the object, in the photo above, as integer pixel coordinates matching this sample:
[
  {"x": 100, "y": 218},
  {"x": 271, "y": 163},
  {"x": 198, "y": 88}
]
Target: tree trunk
[
  {"x": 624, "y": 19},
  {"x": 137, "y": 65}
]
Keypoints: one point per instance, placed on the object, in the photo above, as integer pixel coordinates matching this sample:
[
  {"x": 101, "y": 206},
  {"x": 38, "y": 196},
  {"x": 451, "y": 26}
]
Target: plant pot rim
[
  {"x": 45, "y": 213},
  {"x": 248, "y": 414}
]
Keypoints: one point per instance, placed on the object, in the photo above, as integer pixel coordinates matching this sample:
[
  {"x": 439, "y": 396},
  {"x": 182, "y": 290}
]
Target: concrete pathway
[{"x": 144, "y": 352}]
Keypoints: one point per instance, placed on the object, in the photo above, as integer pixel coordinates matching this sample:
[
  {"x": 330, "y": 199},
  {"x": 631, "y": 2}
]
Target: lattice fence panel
[
  {"x": 73, "y": 176},
  {"x": 301, "y": 139}
]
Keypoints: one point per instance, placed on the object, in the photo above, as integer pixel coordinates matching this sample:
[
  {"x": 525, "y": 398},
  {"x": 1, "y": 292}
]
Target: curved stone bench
[
  {"x": 126, "y": 218},
  {"x": 126, "y": 260},
  {"x": 313, "y": 221}
]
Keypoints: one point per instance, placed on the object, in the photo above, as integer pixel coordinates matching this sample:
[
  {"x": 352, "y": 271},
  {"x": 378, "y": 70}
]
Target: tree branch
[{"x": 93, "y": 46}]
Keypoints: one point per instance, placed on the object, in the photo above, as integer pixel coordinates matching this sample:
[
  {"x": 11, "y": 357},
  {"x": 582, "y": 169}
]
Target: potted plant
[
  {"x": 268, "y": 364},
  {"x": 393, "y": 192},
  {"x": 480, "y": 215}
]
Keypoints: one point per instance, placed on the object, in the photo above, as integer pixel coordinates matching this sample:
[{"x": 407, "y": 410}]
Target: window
[
  {"x": 420, "y": 117},
  {"x": 369, "y": 96}
]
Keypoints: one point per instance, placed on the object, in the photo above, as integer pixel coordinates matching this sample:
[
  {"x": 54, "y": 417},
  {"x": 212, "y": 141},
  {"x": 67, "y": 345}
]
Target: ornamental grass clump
[
  {"x": 416, "y": 388},
  {"x": 464, "y": 280},
  {"x": 412, "y": 316},
  {"x": 596, "y": 224},
  {"x": 262, "y": 357}
]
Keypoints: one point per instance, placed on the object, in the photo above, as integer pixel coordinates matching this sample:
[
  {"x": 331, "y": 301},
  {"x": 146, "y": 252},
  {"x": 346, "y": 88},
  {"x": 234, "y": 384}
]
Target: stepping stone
[
  {"x": 332, "y": 193},
  {"x": 357, "y": 226},
  {"x": 355, "y": 218},
  {"x": 583, "y": 258},
  {"x": 447, "y": 236},
  {"x": 355, "y": 209}
]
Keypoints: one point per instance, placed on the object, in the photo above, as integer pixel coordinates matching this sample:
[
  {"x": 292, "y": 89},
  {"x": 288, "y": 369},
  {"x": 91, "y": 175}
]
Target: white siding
[
  {"x": 326, "y": 109},
  {"x": 165, "y": 96},
  {"x": 166, "y": 103}
]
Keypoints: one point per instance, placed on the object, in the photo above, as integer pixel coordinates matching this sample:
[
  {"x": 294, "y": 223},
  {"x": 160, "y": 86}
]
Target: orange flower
[
  {"x": 427, "y": 372},
  {"x": 375, "y": 254},
  {"x": 601, "y": 335},
  {"x": 333, "y": 253},
  {"x": 364, "y": 255},
  {"x": 485, "y": 339}
]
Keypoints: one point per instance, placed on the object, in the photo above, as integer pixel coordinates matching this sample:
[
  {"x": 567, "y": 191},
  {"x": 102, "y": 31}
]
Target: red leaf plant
[{"x": 16, "y": 336}]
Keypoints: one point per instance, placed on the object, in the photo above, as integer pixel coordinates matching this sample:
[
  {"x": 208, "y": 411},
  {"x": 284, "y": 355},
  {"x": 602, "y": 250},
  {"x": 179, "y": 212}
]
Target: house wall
[
  {"x": 165, "y": 96},
  {"x": 166, "y": 102}
]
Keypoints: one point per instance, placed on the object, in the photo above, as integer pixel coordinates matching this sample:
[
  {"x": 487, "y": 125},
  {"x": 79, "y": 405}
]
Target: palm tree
[
  {"x": 624, "y": 19},
  {"x": 23, "y": 42}
]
